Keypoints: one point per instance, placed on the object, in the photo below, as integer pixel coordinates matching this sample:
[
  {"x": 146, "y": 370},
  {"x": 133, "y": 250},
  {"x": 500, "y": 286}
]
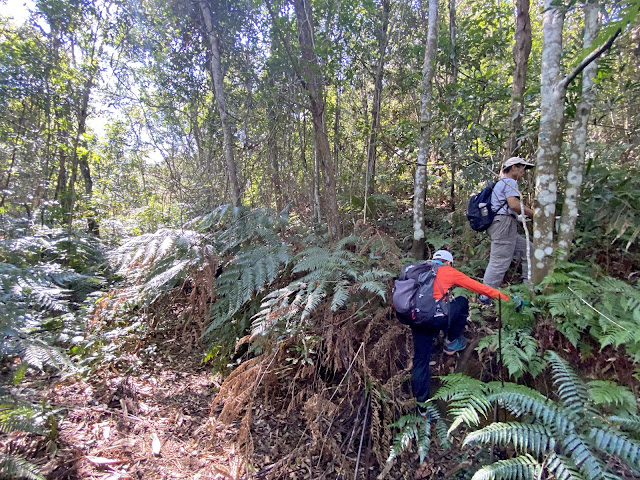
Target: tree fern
[
  {"x": 159, "y": 260},
  {"x": 336, "y": 275},
  {"x": 244, "y": 277}
]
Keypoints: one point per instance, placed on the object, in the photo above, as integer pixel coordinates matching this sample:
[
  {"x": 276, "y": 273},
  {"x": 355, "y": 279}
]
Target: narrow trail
[{"x": 151, "y": 423}]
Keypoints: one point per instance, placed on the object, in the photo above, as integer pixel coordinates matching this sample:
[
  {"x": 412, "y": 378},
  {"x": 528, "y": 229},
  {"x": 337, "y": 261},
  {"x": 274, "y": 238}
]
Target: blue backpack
[
  {"x": 413, "y": 299},
  {"x": 479, "y": 211}
]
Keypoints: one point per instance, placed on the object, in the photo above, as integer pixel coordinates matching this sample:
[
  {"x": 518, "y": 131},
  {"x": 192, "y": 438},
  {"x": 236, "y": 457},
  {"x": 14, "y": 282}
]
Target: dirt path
[{"x": 151, "y": 423}]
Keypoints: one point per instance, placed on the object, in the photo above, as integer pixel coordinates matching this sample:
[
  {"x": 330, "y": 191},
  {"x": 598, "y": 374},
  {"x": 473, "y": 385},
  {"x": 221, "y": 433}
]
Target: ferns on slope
[
  {"x": 415, "y": 428},
  {"x": 606, "y": 308},
  {"x": 520, "y": 351},
  {"x": 569, "y": 438},
  {"x": 335, "y": 274}
]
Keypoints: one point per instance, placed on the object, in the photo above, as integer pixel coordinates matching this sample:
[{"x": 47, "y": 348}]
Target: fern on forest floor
[
  {"x": 571, "y": 438},
  {"x": 46, "y": 281},
  {"x": 336, "y": 275},
  {"x": 520, "y": 354},
  {"x": 606, "y": 308}
]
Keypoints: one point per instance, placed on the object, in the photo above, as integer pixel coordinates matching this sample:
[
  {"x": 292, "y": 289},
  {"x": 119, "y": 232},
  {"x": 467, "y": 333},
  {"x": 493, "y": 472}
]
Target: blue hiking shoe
[
  {"x": 424, "y": 413},
  {"x": 456, "y": 345},
  {"x": 485, "y": 300}
]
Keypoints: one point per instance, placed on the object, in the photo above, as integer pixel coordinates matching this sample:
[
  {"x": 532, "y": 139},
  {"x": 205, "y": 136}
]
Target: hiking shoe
[
  {"x": 485, "y": 300},
  {"x": 456, "y": 345},
  {"x": 424, "y": 413}
]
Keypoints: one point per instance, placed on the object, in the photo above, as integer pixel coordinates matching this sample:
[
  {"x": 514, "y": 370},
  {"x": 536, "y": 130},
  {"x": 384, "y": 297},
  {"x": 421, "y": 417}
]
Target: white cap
[
  {"x": 443, "y": 255},
  {"x": 517, "y": 161}
]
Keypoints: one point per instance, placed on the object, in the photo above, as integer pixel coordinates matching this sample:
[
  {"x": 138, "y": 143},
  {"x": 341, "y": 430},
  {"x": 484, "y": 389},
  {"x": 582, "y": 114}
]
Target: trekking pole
[
  {"x": 500, "y": 349},
  {"x": 500, "y": 340}
]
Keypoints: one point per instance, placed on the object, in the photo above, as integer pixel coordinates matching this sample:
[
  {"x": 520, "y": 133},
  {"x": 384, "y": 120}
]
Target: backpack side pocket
[{"x": 403, "y": 293}]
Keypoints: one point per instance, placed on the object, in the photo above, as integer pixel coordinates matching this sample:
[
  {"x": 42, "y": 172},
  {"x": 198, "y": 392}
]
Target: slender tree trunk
[
  {"x": 14, "y": 153},
  {"x": 79, "y": 160},
  {"x": 453, "y": 60},
  {"x": 217, "y": 78},
  {"x": 312, "y": 82},
  {"x": 521, "y": 52},
  {"x": 274, "y": 163},
  {"x": 549, "y": 138},
  {"x": 383, "y": 41},
  {"x": 420, "y": 188},
  {"x": 336, "y": 132},
  {"x": 579, "y": 140}
]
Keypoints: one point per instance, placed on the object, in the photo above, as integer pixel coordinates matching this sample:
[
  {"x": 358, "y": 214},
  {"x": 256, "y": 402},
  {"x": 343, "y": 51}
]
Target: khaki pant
[{"x": 506, "y": 246}]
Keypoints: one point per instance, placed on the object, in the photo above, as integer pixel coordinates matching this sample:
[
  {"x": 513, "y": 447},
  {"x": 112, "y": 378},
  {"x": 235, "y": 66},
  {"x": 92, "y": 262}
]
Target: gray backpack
[{"x": 413, "y": 298}]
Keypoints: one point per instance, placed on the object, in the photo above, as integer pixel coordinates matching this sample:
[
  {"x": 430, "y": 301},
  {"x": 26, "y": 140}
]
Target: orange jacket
[{"x": 448, "y": 277}]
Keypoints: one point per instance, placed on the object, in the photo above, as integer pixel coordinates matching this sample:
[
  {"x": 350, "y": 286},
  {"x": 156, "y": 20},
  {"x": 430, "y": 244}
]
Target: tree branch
[
  {"x": 589, "y": 58},
  {"x": 287, "y": 45}
]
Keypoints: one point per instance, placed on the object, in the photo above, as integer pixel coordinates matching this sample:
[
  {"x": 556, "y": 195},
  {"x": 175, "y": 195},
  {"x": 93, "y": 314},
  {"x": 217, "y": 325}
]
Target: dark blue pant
[{"x": 423, "y": 337}]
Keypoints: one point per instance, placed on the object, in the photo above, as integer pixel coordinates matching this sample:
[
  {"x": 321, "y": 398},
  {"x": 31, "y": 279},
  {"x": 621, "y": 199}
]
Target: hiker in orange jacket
[{"x": 452, "y": 324}]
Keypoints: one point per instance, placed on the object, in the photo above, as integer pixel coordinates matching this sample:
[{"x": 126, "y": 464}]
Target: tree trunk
[
  {"x": 521, "y": 52},
  {"x": 549, "y": 139},
  {"x": 217, "y": 78},
  {"x": 419, "y": 193},
  {"x": 312, "y": 82},
  {"x": 453, "y": 61},
  {"x": 81, "y": 160},
  {"x": 553, "y": 92},
  {"x": 14, "y": 153},
  {"x": 579, "y": 140},
  {"x": 383, "y": 41}
]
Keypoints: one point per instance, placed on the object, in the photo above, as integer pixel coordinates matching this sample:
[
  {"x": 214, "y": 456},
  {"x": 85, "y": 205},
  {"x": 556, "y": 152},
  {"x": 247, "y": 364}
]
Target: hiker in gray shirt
[{"x": 506, "y": 244}]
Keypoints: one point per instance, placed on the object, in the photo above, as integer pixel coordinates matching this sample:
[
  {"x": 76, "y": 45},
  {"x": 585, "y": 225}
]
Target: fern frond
[
  {"x": 572, "y": 391},
  {"x": 520, "y": 351},
  {"x": 12, "y": 466},
  {"x": 535, "y": 439},
  {"x": 340, "y": 295},
  {"x": 412, "y": 427},
  {"x": 617, "y": 444},
  {"x": 520, "y": 400},
  {"x": 251, "y": 271},
  {"x": 375, "y": 287},
  {"x": 630, "y": 424},
  {"x": 604, "y": 392},
  {"x": 38, "y": 354},
  {"x": 582, "y": 456},
  {"x": 467, "y": 399},
  {"x": 23, "y": 418},
  {"x": 314, "y": 298},
  {"x": 468, "y": 408},
  {"x": 524, "y": 467},
  {"x": 562, "y": 467}
]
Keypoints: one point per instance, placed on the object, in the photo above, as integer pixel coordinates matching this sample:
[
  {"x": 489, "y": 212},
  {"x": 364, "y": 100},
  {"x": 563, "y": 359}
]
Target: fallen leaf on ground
[
  {"x": 155, "y": 444},
  {"x": 100, "y": 461}
]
